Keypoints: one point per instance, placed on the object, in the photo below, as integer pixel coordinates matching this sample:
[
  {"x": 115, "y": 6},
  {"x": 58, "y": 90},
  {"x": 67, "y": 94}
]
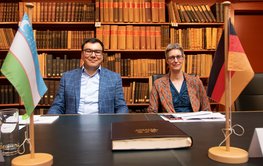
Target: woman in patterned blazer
[{"x": 177, "y": 91}]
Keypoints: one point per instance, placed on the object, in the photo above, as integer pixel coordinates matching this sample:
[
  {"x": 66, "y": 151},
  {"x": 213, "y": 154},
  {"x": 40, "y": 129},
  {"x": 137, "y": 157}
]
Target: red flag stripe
[
  {"x": 219, "y": 88},
  {"x": 235, "y": 44}
]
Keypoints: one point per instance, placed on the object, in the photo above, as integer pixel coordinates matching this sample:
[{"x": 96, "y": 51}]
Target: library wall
[
  {"x": 198, "y": 36},
  {"x": 248, "y": 21}
]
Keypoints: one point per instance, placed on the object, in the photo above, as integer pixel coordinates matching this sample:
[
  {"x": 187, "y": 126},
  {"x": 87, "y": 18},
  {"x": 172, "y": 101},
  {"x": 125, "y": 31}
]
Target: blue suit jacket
[{"x": 111, "y": 98}]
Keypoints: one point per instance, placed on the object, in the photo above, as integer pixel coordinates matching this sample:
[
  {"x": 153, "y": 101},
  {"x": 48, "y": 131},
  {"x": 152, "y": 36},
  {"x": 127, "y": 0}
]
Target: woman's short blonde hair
[{"x": 173, "y": 46}]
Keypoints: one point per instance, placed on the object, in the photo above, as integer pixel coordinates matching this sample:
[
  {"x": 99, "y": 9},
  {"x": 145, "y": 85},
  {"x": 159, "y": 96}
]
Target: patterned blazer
[
  {"x": 111, "y": 98},
  {"x": 161, "y": 95}
]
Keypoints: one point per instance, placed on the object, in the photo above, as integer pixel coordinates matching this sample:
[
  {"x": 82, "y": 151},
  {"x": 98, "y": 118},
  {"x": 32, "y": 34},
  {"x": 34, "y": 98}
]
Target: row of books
[
  {"x": 196, "y": 38},
  {"x": 189, "y": 13},
  {"x": 157, "y": 37},
  {"x": 51, "y": 66},
  {"x": 6, "y": 37},
  {"x": 130, "y": 11},
  {"x": 8, "y": 12},
  {"x": 199, "y": 64},
  {"x": 113, "y": 11},
  {"x": 218, "y": 11},
  {"x": 134, "y": 67},
  {"x": 1, "y": 63},
  {"x": 55, "y": 66},
  {"x": 123, "y": 37},
  {"x": 8, "y": 94},
  {"x": 133, "y": 37},
  {"x": 61, "y": 39},
  {"x": 60, "y": 11},
  {"x": 136, "y": 92},
  {"x": 49, "y": 96}
]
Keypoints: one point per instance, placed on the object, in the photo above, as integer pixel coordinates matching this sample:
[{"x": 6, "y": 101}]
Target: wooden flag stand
[
  {"x": 32, "y": 159},
  {"x": 227, "y": 154}
]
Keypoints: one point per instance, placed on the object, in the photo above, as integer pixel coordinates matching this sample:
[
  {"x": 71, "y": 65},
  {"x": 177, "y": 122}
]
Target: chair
[
  {"x": 251, "y": 98},
  {"x": 153, "y": 78}
]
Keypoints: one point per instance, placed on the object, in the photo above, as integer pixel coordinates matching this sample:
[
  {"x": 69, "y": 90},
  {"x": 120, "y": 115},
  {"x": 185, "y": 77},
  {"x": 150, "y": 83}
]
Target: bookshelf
[{"x": 135, "y": 34}]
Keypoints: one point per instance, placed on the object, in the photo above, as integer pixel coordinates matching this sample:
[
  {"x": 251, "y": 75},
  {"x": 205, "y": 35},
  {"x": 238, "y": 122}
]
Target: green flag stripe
[{"x": 14, "y": 72}]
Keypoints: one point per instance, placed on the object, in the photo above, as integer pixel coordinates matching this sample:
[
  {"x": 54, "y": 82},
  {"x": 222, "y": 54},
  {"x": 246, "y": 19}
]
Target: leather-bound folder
[{"x": 146, "y": 135}]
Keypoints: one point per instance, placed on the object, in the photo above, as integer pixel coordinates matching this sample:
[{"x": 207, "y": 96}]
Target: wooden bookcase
[{"x": 135, "y": 34}]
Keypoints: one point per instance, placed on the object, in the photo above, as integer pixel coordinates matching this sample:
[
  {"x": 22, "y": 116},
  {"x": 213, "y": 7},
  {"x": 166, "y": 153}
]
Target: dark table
[{"x": 85, "y": 140}]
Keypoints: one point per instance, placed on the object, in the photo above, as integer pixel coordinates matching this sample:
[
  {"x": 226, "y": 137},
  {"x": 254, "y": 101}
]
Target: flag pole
[
  {"x": 29, "y": 7},
  {"x": 226, "y": 6},
  {"x": 32, "y": 159},
  {"x": 227, "y": 154}
]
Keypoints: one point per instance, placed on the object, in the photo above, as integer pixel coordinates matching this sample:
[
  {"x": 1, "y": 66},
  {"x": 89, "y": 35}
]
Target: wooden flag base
[
  {"x": 233, "y": 156},
  {"x": 39, "y": 159}
]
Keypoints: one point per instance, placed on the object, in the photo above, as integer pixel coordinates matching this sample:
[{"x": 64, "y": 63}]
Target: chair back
[
  {"x": 251, "y": 98},
  {"x": 153, "y": 78}
]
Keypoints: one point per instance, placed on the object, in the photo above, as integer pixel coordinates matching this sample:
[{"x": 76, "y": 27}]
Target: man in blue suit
[{"x": 90, "y": 89}]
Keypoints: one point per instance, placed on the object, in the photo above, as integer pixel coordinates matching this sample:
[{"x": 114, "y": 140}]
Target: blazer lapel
[
  {"x": 169, "y": 99},
  {"x": 102, "y": 86},
  {"x": 76, "y": 86}
]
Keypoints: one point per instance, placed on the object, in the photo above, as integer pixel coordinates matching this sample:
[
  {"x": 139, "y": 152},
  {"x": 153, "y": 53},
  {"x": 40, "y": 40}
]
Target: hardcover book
[{"x": 146, "y": 135}]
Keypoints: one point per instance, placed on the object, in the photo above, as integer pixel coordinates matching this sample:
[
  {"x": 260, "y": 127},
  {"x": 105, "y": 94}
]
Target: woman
[{"x": 177, "y": 91}]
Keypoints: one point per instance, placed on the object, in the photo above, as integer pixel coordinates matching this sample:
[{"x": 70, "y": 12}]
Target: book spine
[
  {"x": 148, "y": 13},
  {"x": 129, "y": 37},
  {"x": 120, "y": 16},
  {"x": 121, "y": 37},
  {"x": 113, "y": 37}
]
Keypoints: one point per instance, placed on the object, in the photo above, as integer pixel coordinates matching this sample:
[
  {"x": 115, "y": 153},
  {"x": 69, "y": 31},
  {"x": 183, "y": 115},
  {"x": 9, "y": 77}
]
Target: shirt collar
[{"x": 85, "y": 71}]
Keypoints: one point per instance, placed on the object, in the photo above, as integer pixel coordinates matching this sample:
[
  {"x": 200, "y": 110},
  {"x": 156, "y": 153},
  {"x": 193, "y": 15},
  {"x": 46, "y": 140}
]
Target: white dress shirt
[{"x": 89, "y": 93}]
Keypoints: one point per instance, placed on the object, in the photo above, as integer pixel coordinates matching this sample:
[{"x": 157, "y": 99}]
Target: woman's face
[{"x": 175, "y": 60}]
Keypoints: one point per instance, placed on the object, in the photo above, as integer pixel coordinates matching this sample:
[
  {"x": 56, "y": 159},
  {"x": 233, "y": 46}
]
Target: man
[{"x": 90, "y": 89}]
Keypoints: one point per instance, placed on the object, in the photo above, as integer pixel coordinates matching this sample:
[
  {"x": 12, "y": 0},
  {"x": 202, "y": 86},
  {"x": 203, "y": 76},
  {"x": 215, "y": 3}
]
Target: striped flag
[
  {"x": 238, "y": 63},
  {"x": 21, "y": 67}
]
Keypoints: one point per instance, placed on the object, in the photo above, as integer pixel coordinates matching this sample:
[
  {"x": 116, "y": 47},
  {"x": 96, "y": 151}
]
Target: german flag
[{"x": 238, "y": 64}]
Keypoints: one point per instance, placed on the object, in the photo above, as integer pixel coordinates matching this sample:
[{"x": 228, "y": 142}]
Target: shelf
[
  {"x": 79, "y": 50},
  {"x": 59, "y": 50},
  {"x": 9, "y": 23},
  {"x": 52, "y": 78},
  {"x": 63, "y": 23},
  {"x": 144, "y": 50},
  {"x": 132, "y": 23},
  {"x": 126, "y": 77},
  {"x": 199, "y": 51},
  {"x": 123, "y": 77},
  {"x": 138, "y": 105},
  {"x": 164, "y": 23},
  {"x": 201, "y": 24},
  {"x": 10, "y": 105}
]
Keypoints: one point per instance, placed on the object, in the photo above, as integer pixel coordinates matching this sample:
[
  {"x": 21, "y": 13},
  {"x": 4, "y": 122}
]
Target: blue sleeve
[{"x": 120, "y": 103}]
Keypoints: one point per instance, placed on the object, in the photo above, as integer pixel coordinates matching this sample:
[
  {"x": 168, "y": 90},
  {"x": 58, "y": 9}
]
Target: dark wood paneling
[{"x": 249, "y": 25}]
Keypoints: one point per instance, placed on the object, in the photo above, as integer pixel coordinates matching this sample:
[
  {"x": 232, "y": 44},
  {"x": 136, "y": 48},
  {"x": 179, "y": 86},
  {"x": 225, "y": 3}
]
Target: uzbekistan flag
[
  {"x": 241, "y": 70},
  {"x": 21, "y": 67}
]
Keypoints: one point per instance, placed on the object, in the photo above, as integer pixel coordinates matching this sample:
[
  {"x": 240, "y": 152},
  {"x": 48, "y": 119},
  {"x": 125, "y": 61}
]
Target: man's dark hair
[{"x": 92, "y": 40}]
